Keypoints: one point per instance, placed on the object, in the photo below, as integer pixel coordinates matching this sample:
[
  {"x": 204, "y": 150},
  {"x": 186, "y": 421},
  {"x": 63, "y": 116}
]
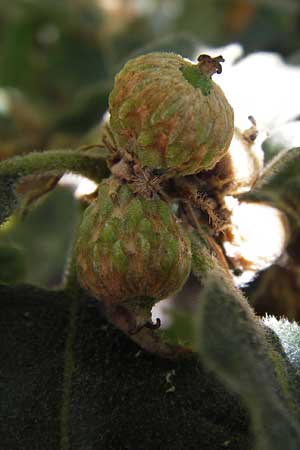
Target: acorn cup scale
[
  {"x": 131, "y": 251},
  {"x": 169, "y": 114}
]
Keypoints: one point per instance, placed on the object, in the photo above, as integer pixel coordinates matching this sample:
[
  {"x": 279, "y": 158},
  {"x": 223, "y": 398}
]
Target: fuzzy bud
[
  {"x": 169, "y": 114},
  {"x": 130, "y": 247}
]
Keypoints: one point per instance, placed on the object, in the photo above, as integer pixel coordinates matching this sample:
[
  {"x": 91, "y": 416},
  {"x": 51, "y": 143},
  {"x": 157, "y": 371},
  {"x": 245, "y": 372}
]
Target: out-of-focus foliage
[
  {"x": 257, "y": 24},
  {"x": 45, "y": 236},
  {"x": 50, "y": 49}
]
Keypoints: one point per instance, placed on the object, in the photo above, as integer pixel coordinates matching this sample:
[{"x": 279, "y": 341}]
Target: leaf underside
[
  {"x": 235, "y": 346},
  {"x": 72, "y": 381}
]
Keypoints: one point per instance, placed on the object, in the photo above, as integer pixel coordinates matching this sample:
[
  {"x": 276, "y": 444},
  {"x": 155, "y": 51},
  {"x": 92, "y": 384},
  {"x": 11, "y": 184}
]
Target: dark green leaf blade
[
  {"x": 68, "y": 377},
  {"x": 234, "y": 346}
]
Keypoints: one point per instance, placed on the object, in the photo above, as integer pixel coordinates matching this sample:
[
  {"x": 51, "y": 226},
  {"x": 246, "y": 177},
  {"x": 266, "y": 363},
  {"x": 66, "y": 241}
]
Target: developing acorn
[
  {"x": 131, "y": 251},
  {"x": 169, "y": 114}
]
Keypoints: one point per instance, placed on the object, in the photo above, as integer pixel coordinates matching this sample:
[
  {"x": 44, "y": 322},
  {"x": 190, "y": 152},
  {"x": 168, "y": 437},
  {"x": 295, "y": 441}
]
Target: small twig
[
  {"x": 206, "y": 237},
  {"x": 201, "y": 200},
  {"x": 90, "y": 146}
]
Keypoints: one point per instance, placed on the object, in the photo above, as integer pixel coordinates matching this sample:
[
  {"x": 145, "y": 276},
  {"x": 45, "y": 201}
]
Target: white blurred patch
[
  {"x": 259, "y": 235},
  {"x": 81, "y": 186},
  {"x": 105, "y": 118},
  {"x": 264, "y": 86},
  {"x": 85, "y": 187}
]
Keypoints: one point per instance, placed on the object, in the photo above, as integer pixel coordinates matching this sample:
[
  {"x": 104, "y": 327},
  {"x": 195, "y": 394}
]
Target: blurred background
[{"x": 58, "y": 59}]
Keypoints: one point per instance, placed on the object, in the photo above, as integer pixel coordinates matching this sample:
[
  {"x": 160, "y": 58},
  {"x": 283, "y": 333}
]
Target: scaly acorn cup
[
  {"x": 131, "y": 252},
  {"x": 169, "y": 114}
]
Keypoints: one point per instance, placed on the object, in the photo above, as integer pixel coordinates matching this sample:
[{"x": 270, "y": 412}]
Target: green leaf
[
  {"x": 48, "y": 230},
  {"x": 203, "y": 260},
  {"x": 68, "y": 377},
  {"x": 20, "y": 177},
  {"x": 235, "y": 347},
  {"x": 288, "y": 334},
  {"x": 279, "y": 184}
]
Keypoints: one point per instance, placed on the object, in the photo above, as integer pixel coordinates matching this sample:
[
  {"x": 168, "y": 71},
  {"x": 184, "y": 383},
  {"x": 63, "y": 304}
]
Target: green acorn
[
  {"x": 169, "y": 114},
  {"x": 131, "y": 250}
]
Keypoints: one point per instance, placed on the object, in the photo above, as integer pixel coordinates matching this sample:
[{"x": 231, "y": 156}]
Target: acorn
[
  {"x": 169, "y": 114},
  {"x": 131, "y": 252}
]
